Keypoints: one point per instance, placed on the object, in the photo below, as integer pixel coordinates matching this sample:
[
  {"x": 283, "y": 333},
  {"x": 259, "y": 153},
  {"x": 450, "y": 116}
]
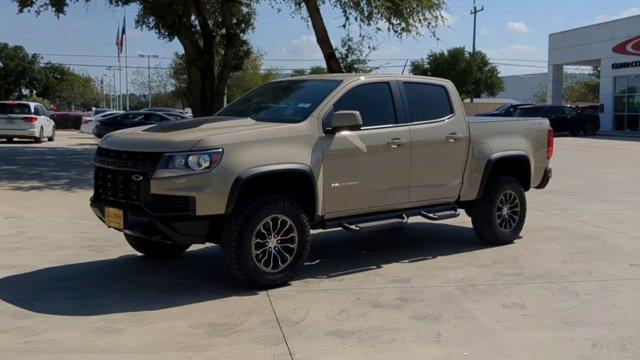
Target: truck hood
[{"x": 181, "y": 135}]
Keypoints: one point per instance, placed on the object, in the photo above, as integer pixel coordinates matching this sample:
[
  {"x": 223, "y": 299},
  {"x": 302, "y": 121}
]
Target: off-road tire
[
  {"x": 38, "y": 139},
  {"x": 238, "y": 232},
  {"x": 157, "y": 250},
  {"x": 484, "y": 213},
  {"x": 52, "y": 138}
]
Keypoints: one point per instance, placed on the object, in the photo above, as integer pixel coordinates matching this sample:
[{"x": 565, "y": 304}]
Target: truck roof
[{"x": 361, "y": 76}]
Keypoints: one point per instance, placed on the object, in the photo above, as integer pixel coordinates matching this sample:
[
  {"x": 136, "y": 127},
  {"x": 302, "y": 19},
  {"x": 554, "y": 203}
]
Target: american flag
[
  {"x": 120, "y": 38},
  {"x": 118, "y": 44}
]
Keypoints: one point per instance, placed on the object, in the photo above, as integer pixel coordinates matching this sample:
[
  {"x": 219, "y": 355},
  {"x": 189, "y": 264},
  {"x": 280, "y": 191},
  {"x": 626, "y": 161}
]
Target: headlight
[{"x": 177, "y": 164}]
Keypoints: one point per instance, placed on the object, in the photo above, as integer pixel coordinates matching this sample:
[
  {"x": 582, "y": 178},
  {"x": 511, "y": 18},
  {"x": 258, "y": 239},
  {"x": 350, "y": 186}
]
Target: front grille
[
  {"x": 123, "y": 177},
  {"x": 118, "y": 185}
]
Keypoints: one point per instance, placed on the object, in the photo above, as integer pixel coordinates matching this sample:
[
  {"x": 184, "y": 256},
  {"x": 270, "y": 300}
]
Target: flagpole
[{"x": 126, "y": 61}]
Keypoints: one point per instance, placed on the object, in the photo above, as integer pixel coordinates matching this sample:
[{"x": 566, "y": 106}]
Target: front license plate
[{"x": 114, "y": 217}]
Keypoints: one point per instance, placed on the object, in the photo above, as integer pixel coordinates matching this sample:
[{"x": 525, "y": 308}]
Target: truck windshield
[
  {"x": 289, "y": 101},
  {"x": 12, "y": 108}
]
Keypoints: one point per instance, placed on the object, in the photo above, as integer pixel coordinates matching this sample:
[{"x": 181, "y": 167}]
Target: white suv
[{"x": 25, "y": 120}]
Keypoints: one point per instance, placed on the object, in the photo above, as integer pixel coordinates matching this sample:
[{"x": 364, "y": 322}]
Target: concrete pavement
[{"x": 569, "y": 289}]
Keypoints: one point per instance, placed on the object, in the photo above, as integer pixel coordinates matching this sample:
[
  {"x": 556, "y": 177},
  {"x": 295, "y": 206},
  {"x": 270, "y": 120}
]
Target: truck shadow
[
  {"x": 28, "y": 167},
  {"x": 133, "y": 283}
]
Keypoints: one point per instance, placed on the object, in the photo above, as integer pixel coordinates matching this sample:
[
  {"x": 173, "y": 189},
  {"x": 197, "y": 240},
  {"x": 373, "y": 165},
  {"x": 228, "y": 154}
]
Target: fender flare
[
  {"x": 253, "y": 172},
  {"x": 493, "y": 159}
]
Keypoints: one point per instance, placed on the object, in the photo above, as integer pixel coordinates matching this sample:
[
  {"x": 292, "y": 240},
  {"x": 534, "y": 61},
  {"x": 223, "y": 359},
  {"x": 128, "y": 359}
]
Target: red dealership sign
[{"x": 629, "y": 47}]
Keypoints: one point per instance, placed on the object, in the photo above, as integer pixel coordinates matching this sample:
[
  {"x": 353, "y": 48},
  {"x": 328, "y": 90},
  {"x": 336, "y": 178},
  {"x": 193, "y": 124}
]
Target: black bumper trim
[
  {"x": 139, "y": 222},
  {"x": 546, "y": 178}
]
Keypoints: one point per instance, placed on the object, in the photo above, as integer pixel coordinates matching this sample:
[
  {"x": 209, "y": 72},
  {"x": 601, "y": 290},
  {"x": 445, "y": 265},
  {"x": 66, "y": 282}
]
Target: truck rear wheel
[
  {"x": 266, "y": 241},
  {"x": 499, "y": 215},
  {"x": 156, "y": 249}
]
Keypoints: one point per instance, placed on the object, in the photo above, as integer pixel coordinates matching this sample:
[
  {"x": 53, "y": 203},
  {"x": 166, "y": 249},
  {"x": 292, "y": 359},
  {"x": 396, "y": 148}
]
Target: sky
[{"x": 514, "y": 33}]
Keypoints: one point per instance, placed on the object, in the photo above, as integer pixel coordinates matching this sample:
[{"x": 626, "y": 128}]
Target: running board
[
  {"x": 442, "y": 215},
  {"x": 393, "y": 218},
  {"x": 376, "y": 225}
]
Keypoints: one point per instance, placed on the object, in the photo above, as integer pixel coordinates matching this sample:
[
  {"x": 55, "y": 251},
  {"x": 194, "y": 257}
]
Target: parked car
[
  {"x": 357, "y": 152},
  {"x": 89, "y": 122},
  {"x": 132, "y": 119},
  {"x": 506, "y": 110},
  {"x": 164, "y": 110},
  {"x": 25, "y": 120},
  {"x": 563, "y": 118}
]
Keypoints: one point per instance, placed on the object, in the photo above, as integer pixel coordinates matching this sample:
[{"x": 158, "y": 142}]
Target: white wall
[{"x": 591, "y": 45}]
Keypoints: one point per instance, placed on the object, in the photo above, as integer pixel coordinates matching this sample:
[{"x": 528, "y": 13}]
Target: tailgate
[{"x": 14, "y": 122}]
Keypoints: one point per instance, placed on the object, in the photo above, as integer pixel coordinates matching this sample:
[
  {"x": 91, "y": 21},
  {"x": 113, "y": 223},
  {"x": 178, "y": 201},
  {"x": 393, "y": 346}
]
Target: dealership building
[{"x": 614, "y": 46}]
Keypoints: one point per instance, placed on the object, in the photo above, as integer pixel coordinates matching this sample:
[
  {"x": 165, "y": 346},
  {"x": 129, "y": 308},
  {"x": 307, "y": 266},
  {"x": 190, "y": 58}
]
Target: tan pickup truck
[{"x": 358, "y": 152}]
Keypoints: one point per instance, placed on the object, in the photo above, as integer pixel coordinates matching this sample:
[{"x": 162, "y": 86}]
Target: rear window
[
  {"x": 15, "y": 109},
  {"x": 528, "y": 112},
  {"x": 427, "y": 101}
]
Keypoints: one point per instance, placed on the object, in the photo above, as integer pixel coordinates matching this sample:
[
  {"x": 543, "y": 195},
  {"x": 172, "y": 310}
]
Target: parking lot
[{"x": 568, "y": 289}]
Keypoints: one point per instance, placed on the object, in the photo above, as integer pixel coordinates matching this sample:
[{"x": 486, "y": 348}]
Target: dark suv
[
  {"x": 506, "y": 110},
  {"x": 564, "y": 118}
]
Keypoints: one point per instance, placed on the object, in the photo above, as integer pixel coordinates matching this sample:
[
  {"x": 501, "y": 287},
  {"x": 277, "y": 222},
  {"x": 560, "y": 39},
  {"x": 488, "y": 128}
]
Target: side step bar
[
  {"x": 392, "y": 219},
  {"x": 376, "y": 225},
  {"x": 439, "y": 216}
]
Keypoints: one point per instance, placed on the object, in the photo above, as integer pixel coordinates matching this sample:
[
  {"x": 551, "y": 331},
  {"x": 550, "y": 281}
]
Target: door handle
[
  {"x": 453, "y": 137},
  {"x": 397, "y": 142}
]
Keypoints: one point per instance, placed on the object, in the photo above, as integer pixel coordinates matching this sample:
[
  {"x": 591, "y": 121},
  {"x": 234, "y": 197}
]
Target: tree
[
  {"x": 18, "y": 71},
  {"x": 314, "y": 70},
  {"x": 471, "y": 73},
  {"x": 400, "y": 18},
  {"x": 354, "y": 54},
  {"x": 250, "y": 76},
  {"x": 583, "y": 89},
  {"x": 211, "y": 32}
]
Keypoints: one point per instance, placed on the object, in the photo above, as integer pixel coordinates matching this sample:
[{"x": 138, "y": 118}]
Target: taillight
[
  {"x": 30, "y": 119},
  {"x": 86, "y": 120},
  {"x": 550, "y": 144}
]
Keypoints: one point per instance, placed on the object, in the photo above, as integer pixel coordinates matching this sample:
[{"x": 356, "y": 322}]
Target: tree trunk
[{"x": 322, "y": 37}]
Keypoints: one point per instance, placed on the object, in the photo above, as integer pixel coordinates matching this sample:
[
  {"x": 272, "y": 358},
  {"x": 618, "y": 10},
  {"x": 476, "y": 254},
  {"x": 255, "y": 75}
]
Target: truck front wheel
[
  {"x": 498, "y": 216},
  {"x": 156, "y": 249},
  {"x": 266, "y": 241}
]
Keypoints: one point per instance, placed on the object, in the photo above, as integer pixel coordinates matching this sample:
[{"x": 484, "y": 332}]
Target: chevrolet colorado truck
[{"x": 357, "y": 152}]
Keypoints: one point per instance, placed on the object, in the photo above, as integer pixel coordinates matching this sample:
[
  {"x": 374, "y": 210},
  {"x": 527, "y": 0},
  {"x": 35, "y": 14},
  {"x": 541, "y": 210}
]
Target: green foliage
[
  {"x": 583, "y": 90},
  {"x": 240, "y": 82},
  {"x": 314, "y": 70},
  {"x": 399, "y": 18},
  {"x": 472, "y": 73},
  {"x": 18, "y": 71},
  {"x": 249, "y": 77},
  {"x": 353, "y": 54},
  {"x": 22, "y": 75},
  {"x": 211, "y": 32}
]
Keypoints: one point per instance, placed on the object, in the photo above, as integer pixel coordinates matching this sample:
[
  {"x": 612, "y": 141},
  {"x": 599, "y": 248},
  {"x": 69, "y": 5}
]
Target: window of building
[{"x": 626, "y": 103}]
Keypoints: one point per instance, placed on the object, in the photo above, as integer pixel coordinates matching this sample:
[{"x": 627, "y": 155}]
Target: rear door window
[
  {"x": 15, "y": 109},
  {"x": 374, "y": 101},
  {"x": 427, "y": 101}
]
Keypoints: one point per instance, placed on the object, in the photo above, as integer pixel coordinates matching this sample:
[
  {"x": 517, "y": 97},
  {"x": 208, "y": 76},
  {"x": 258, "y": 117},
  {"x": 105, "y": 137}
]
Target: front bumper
[
  {"x": 546, "y": 178},
  {"x": 182, "y": 229}
]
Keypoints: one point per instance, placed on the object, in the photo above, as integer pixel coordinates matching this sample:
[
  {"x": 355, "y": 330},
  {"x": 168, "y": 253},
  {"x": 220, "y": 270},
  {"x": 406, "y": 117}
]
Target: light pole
[{"x": 149, "y": 57}]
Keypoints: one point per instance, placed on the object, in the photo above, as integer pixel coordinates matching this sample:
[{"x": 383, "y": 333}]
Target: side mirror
[{"x": 344, "y": 120}]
